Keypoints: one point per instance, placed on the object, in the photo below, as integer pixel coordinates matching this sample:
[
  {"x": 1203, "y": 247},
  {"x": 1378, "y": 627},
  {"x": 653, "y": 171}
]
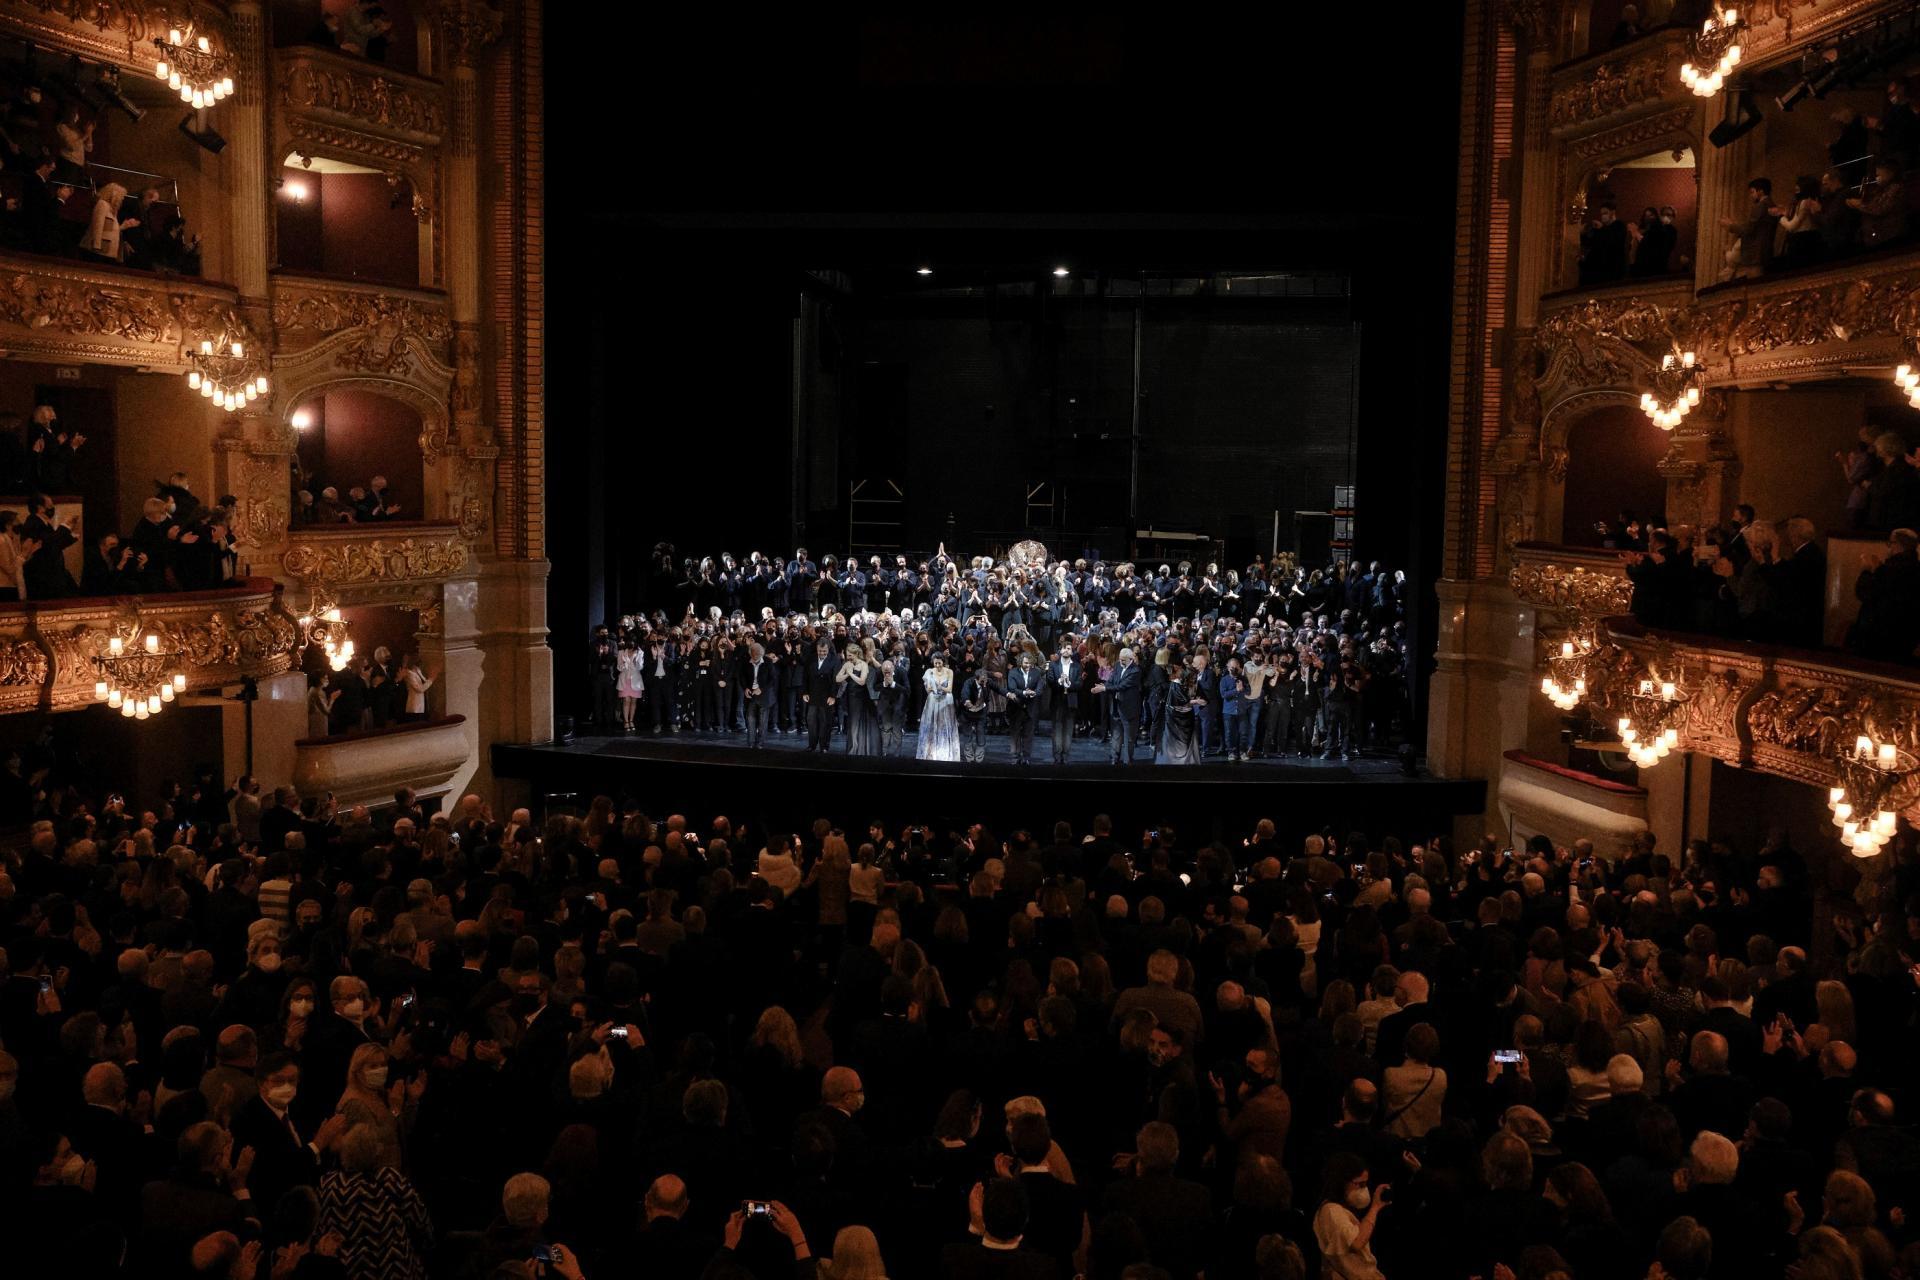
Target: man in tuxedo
[
  {"x": 282, "y": 1157},
  {"x": 658, "y": 679},
  {"x": 1024, "y": 687},
  {"x": 890, "y": 703},
  {"x": 818, "y": 694},
  {"x": 759, "y": 686},
  {"x": 1124, "y": 685},
  {"x": 1063, "y": 690}
]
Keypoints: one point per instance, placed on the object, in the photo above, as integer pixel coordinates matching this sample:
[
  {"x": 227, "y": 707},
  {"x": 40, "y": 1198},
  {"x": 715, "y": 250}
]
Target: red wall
[
  {"x": 374, "y": 625},
  {"x": 1633, "y": 190},
  {"x": 348, "y": 227},
  {"x": 1612, "y": 456},
  {"x": 356, "y": 435}
]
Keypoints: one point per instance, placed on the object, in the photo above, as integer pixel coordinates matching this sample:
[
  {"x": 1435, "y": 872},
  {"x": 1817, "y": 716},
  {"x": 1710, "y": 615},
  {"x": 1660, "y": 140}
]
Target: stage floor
[{"x": 711, "y": 772}]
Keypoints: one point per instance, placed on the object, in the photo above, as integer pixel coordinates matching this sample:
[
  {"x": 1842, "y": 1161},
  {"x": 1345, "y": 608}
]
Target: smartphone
[
  {"x": 405, "y": 1001},
  {"x": 1507, "y": 1057},
  {"x": 757, "y": 1208},
  {"x": 542, "y": 1253},
  {"x": 618, "y": 1032},
  {"x": 46, "y": 985}
]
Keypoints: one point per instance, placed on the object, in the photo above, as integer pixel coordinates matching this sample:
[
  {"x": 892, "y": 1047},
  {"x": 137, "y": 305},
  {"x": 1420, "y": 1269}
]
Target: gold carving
[
  {"x": 467, "y": 26},
  {"x": 337, "y": 562},
  {"x": 265, "y": 502},
  {"x": 466, "y": 369},
  {"x": 1629, "y": 138},
  {"x": 300, "y": 308},
  {"x": 117, "y": 31},
  {"x": 307, "y": 132},
  {"x": 1638, "y": 74},
  {"x": 61, "y": 299},
  {"x": 48, "y": 649},
  {"x": 1570, "y": 588},
  {"x": 366, "y": 97}
]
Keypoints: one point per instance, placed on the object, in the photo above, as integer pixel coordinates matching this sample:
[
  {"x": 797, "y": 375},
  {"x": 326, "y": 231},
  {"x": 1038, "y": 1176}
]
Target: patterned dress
[{"x": 382, "y": 1222}]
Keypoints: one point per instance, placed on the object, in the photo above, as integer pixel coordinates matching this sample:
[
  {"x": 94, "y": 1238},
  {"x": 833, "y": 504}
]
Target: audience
[{"x": 535, "y": 1082}]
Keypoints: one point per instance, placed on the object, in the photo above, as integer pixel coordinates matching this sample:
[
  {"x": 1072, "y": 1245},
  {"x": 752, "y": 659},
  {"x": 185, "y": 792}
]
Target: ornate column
[
  {"x": 1722, "y": 174},
  {"x": 1700, "y": 465}
]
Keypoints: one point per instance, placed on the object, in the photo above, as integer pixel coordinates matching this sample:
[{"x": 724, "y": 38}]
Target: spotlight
[
  {"x": 1800, "y": 92},
  {"x": 204, "y": 137},
  {"x": 109, "y": 88},
  {"x": 924, "y": 271},
  {"x": 1061, "y": 271},
  {"x": 1742, "y": 118}
]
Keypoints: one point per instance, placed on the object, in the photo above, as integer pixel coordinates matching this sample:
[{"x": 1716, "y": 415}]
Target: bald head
[
  {"x": 104, "y": 1085},
  {"x": 840, "y": 1087},
  {"x": 667, "y": 1198}
]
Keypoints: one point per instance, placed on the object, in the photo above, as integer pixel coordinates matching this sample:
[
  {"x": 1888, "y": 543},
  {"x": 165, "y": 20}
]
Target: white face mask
[
  {"x": 269, "y": 962},
  {"x": 301, "y": 1008},
  {"x": 376, "y": 1077},
  {"x": 1359, "y": 1198},
  {"x": 355, "y": 1008},
  {"x": 281, "y": 1095}
]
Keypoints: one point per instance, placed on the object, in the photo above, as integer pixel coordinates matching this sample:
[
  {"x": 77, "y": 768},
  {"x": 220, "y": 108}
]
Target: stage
[{"x": 782, "y": 783}]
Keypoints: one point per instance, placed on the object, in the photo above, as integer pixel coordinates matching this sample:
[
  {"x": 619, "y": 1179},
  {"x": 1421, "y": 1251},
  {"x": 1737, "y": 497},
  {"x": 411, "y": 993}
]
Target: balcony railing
[
  {"x": 48, "y": 648},
  {"x": 365, "y": 563},
  {"x": 1586, "y": 580},
  {"x": 368, "y": 767},
  {"x": 310, "y": 309},
  {"x": 1783, "y": 711},
  {"x": 336, "y": 90},
  {"x": 1617, "y": 84},
  {"x": 60, "y": 308}
]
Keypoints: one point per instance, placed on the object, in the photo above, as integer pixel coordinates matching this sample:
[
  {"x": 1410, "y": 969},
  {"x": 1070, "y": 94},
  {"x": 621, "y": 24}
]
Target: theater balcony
[
  {"x": 388, "y": 562},
  {"x": 60, "y": 310},
  {"x": 368, "y": 767},
  {"x": 51, "y": 651}
]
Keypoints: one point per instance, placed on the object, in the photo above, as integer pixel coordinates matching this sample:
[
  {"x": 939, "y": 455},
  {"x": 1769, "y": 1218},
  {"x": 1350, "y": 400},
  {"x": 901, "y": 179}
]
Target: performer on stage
[
  {"x": 939, "y": 730},
  {"x": 974, "y": 696},
  {"x": 854, "y": 677},
  {"x": 1178, "y": 742},
  {"x": 1024, "y": 687},
  {"x": 1063, "y": 688},
  {"x": 1123, "y": 689},
  {"x": 890, "y": 701},
  {"x": 632, "y": 684},
  {"x": 761, "y": 689},
  {"x": 822, "y": 688}
]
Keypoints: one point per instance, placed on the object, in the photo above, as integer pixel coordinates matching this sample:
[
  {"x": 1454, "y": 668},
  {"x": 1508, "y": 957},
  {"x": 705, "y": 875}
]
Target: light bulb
[
  {"x": 99, "y": 690},
  {"x": 173, "y": 35},
  {"x": 1835, "y": 795},
  {"x": 1862, "y": 747},
  {"x": 1842, "y": 813},
  {"x": 1546, "y": 686},
  {"x": 152, "y": 642},
  {"x": 129, "y": 708},
  {"x": 114, "y": 698},
  {"x": 238, "y": 349},
  {"x": 193, "y": 379},
  {"x": 1693, "y": 396},
  {"x": 226, "y": 85},
  {"x": 166, "y": 693},
  {"x": 1886, "y": 755},
  {"x": 186, "y": 94},
  {"x": 206, "y": 346},
  {"x": 204, "y": 46},
  {"x": 260, "y": 383},
  {"x": 180, "y": 681},
  {"x": 116, "y": 646},
  {"x": 160, "y": 70}
]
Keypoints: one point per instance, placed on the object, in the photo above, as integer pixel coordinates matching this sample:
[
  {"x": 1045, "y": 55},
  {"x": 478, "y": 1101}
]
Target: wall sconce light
[
  {"x": 301, "y": 419},
  {"x": 296, "y": 192}
]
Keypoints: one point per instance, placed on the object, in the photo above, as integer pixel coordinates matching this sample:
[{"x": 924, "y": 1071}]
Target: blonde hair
[
  {"x": 777, "y": 1030},
  {"x": 856, "y": 1256}
]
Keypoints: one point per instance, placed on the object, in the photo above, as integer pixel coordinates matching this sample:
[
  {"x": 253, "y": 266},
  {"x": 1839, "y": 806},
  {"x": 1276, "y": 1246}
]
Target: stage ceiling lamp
[
  {"x": 1061, "y": 271},
  {"x": 1716, "y": 52},
  {"x": 1677, "y": 386},
  {"x": 206, "y": 137},
  {"x": 924, "y": 271}
]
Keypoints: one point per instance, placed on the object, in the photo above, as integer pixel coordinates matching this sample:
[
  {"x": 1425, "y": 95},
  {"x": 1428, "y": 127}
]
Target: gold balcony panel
[
  {"x": 1578, "y": 580},
  {"x": 1606, "y": 90},
  {"x": 47, "y": 648},
  {"x": 57, "y": 309},
  {"x": 382, "y": 324},
  {"x": 120, "y": 32},
  {"x": 333, "y": 89},
  {"x": 389, "y": 562}
]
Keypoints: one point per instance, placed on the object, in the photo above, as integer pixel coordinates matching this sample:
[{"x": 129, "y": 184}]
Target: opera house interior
[{"x": 1023, "y": 645}]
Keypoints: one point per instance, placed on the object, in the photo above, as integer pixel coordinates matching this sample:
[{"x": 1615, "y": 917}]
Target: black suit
[
  {"x": 820, "y": 686},
  {"x": 974, "y": 1261},
  {"x": 1063, "y": 697},
  {"x": 46, "y": 574},
  {"x": 1123, "y": 687},
  {"x": 281, "y": 1160},
  {"x": 766, "y": 675},
  {"x": 1175, "y": 1215},
  {"x": 1025, "y": 685}
]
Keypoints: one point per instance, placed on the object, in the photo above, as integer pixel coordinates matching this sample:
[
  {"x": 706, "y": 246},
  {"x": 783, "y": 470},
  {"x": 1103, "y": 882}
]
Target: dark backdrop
[{"x": 686, "y": 206}]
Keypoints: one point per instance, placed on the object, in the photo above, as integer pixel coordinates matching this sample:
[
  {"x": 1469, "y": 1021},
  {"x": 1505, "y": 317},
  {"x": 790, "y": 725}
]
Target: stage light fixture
[
  {"x": 109, "y": 88},
  {"x": 1799, "y": 93},
  {"x": 1742, "y": 118},
  {"x": 1061, "y": 271},
  {"x": 204, "y": 137},
  {"x": 924, "y": 271}
]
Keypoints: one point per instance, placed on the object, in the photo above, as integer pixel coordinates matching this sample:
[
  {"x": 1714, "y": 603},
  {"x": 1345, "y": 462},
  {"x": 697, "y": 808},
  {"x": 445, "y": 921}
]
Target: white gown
[{"x": 939, "y": 726}]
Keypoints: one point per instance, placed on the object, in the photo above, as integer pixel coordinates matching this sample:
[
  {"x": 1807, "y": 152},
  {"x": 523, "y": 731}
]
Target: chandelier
[
  {"x": 323, "y": 625},
  {"x": 1651, "y": 728},
  {"x": 1908, "y": 379},
  {"x": 1716, "y": 46},
  {"x": 1868, "y": 774},
  {"x": 137, "y": 677},
  {"x": 220, "y": 370},
  {"x": 1565, "y": 683},
  {"x": 1676, "y": 389},
  {"x": 190, "y": 67}
]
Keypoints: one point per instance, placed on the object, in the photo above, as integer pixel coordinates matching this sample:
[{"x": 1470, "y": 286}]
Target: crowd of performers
[{"x": 1177, "y": 662}]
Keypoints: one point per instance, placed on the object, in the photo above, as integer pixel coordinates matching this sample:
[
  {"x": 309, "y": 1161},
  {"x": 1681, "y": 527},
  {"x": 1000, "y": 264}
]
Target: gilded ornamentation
[
  {"x": 1574, "y": 588},
  {"x": 1639, "y": 74},
  {"x": 468, "y": 26},
  {"x": 466, "y": 369},
  {"x": 118, "y": 31},
  {"x": 471, "y": 502},
  {"x": 352, "y": 89},
  {"x": 22, "y": 662},
  {"x": 338, "y": 562},
  {"x": 306, "y": 131},
  {"x": 265, "y": 504},
  {"x": 1630, "y": 138},
  {"x": 74, "y": 301},
  {"x": 300, "y": 308}
]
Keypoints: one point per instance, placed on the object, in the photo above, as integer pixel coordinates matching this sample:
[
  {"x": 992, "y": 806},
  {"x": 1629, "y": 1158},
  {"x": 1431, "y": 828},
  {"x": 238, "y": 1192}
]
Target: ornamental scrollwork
[
  {"x": 1616, "y": 84},
  {"x": 346, "y": 562},
  {"x": 1570, "y": 589},
  {"x": 22, "y": 662},
  {"x": 302, "y": 309},
  {"x": 370, "y": 99}
]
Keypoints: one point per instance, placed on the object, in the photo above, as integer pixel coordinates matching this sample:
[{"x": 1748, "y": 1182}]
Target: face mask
[
  {"x": 301, "y": 1008},
  {"x": 1667, "y": 219},
  {"x": 281, "y": 1095},
  {"x": 270, "y": 962},
  {"x": 376, "y": 1077},
  {"x": 1358, "y": 1199},
  {"x": 355, "y": 1008}
]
